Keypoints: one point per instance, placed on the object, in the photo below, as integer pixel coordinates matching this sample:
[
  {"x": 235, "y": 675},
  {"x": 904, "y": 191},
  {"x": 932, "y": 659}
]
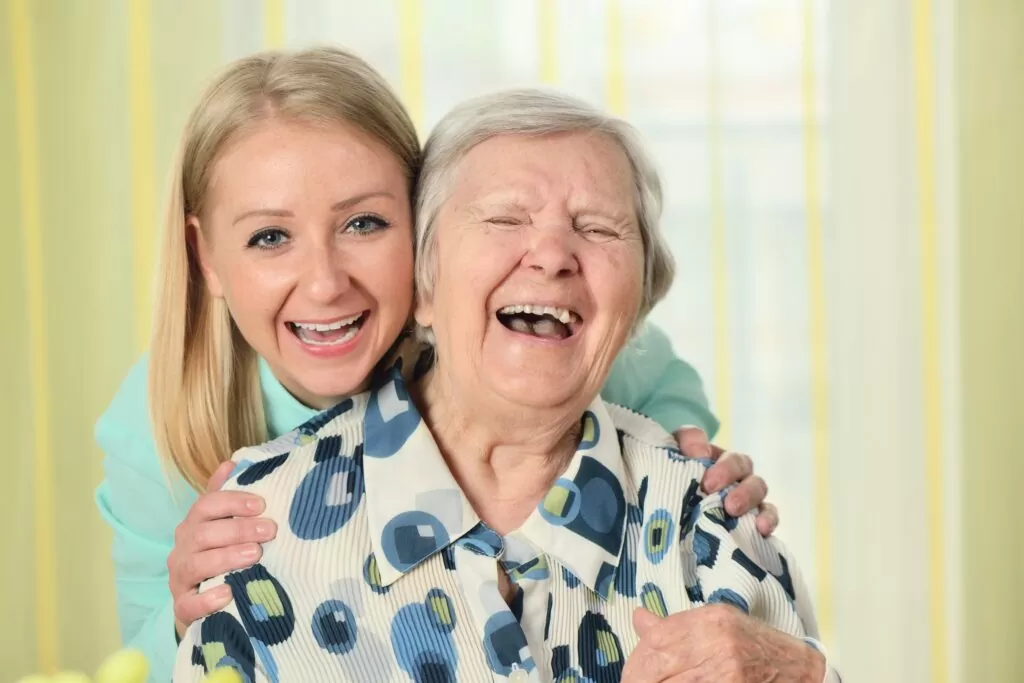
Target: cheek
[
  {"x": 618, "y": 285},
  {"x": 386, "y": 272},
  {"x": 255, "y": 292}
]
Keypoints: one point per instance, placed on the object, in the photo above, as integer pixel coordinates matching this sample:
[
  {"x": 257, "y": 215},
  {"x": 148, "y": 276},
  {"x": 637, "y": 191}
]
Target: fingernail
[
  {"x": 265, "y": 529},
  {"x": 254, "y": 504},
  {"x": 249, "y": 552},
  {"x": 221, "y": 594}
]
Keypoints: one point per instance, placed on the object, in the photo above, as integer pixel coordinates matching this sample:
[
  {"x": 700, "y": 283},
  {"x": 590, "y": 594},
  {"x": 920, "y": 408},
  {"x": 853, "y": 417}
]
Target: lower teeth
[
  {"x": 543, "y": 327},
  {"x": 350, "y": 332}
]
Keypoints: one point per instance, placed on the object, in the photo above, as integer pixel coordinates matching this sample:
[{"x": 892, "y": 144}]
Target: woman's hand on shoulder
[
  {"x": 220, "y": 533},
  {"x": 731, "y": 468}
]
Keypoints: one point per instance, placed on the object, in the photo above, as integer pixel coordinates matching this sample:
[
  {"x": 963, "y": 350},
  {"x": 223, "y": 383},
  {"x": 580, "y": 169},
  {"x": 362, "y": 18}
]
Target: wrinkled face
[
  {"x": 307, "y": 235},
  {"x": 539, "y": 271}
]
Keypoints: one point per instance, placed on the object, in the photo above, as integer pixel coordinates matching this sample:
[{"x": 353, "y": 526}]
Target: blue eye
[
  {"x": 366, "y": 224},
  {"x": 268, "y": 238}
]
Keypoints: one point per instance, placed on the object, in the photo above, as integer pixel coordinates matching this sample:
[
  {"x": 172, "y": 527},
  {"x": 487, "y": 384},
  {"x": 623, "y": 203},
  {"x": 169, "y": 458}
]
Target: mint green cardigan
[{"x": 143, "y": 503}]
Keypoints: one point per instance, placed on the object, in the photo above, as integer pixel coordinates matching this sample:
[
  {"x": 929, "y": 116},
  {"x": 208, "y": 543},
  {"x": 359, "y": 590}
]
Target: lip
[
  {"x": 332, "y": 351},
  {"x": 575, "y": 327}
]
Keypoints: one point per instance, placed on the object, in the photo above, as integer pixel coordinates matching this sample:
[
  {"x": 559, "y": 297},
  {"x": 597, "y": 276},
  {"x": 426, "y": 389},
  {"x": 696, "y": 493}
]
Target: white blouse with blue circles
[{"x": 381, "y": 570}]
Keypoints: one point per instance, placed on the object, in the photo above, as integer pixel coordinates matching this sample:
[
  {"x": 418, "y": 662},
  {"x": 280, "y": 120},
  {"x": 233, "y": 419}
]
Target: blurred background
[{"x": 843, "y": 198}]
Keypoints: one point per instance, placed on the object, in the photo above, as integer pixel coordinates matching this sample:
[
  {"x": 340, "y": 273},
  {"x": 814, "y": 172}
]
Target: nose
[
  {"x": 551, "y": 253},
  {"x": 326, "y": 277}
]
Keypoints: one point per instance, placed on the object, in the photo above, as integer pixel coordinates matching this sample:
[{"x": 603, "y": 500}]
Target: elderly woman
[{"x": 496, "y": 520}]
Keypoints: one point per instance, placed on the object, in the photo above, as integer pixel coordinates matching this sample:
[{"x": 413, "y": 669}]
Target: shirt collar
[
  {"x": 283, "y": 412},
  {"x": 582, "y": 519},
  {"x": 416, "y": 508}
]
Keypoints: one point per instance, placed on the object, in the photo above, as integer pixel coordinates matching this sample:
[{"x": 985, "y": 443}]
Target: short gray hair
[{"x": 534, "y": 112}]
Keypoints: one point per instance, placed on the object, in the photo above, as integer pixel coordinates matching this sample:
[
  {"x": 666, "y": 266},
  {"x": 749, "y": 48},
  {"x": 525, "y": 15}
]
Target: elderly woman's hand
[
  {"x": 219, "y": 534},
  {"x": 731, "y": 468},
  {"x": 717, "y": 643}
]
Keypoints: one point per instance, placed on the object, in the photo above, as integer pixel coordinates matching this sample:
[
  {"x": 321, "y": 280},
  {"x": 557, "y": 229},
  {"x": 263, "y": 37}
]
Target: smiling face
[
  {"x": 307, "y": 235},
  {"x": 539, "y": 269}
]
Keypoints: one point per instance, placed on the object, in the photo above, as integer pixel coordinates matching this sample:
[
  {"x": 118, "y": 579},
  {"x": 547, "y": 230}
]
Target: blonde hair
[{"x": 204, "y": 389}]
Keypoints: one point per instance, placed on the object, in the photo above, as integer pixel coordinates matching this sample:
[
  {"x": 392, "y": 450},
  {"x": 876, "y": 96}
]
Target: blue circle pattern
[
  {"x": 504, "y": 644},
  {"x": 422, "y": 641},
  {"x": 222, "y": 628},
  {"x": 599, "y": 650},
  {"x": 659, "y": 533},
  {"x": 383, "y": 437},
  {"x": 315, "y": 512},
  {"x": 263, "y": 604},
  {"x": 653, "y": 600},
  {"x": 267, "y": 659},
  {"x": 371, "y": 574},
  {"x": 482, "y": 540},
  {"x": 411, "y": 537},
  {"x": 727, "y": 596},
  {"x": 561, "y": 505},
  {"x": 334, "y": 627}
]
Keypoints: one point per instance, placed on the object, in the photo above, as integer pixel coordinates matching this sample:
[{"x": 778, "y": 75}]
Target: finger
[
  {"x": 220, "y": 475},
  {"x": 747, "y": 496},
  {"x": 224, "y": 533},
  {"x": 767, "y": 519},
  {"x": 644, "y": 620},
  {"x": 693, "y": 442},
  {"x": 717, "y": 452},
  {"x": 224, "y": 504},
  {"x": 198, "y": 605},
  {"x": 205, "y": 565},
  {"x": 730, "y": 469}
]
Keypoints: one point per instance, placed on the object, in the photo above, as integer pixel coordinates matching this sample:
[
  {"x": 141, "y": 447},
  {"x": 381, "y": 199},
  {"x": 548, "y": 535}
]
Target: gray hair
[{"x": 535, "y": 112}]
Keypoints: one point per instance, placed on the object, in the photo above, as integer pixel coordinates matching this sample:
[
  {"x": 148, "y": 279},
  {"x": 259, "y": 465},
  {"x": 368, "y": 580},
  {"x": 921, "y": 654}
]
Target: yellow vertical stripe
[
  {"x": 143, "y": 164},
  {"x": 817, "y": 322},
  {"x": 719, "y": 255},
  {"x": 31, "y": 227},
  {"x": 410, "y": 47},
  {"x": 273, "y": 24},
  {"x": 547, "y": 31},
  {"x": 615, "y": 61},
  {"x": 924, "y": 128}
]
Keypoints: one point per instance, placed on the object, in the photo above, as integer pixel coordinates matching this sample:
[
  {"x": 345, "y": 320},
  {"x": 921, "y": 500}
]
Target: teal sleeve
[
  {"x": 648, "y": 377},
  {"x": 135, "y": 499}
]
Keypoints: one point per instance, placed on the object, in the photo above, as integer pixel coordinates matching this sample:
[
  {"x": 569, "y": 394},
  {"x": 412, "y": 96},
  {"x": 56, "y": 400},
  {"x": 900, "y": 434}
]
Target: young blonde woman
[{"x": 286, "y": 277}]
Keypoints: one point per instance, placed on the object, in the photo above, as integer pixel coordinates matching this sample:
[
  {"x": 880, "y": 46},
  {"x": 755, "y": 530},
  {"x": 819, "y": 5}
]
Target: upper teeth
[
  {"x": 562, "y": 314},
  {"x": 328, "y": 327}
]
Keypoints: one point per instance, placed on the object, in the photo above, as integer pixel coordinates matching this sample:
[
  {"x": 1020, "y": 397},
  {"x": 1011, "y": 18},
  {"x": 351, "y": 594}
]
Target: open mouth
[
  {"x": 546, "y": 322},
  {"x": 331, "y": 333}
]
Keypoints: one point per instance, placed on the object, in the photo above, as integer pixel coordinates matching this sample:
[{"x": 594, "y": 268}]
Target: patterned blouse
[{"x": 381, "y": 570}]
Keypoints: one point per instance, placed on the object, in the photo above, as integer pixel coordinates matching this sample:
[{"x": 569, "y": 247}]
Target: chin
[
  {"x": 539, "y": 392},
  {"x": 335, "y": 386}
]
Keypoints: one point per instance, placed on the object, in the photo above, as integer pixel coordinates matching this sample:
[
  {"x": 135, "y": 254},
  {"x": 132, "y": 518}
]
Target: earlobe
[
  {"x": 197, "y": 242},
  {"x": 423, "y": 312}
]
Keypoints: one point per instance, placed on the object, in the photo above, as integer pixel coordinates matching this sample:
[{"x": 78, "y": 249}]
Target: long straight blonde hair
[{"x": 204, "y": 390}]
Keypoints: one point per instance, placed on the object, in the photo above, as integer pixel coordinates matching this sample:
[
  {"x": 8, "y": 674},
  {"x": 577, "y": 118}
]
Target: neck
[{"x": 504, "y": 457}]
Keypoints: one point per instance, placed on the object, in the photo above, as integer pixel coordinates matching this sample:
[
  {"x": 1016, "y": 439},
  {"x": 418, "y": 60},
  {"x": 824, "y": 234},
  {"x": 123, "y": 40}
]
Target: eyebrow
[{"x": 337, "y": 206}]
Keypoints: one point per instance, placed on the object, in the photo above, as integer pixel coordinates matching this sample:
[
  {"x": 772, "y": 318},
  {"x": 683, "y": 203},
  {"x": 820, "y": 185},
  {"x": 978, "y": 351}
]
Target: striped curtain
[{"x": 807, "y": 151}]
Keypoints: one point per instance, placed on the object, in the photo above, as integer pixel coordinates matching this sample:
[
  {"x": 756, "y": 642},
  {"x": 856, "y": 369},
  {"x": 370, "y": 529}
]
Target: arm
[
  {"x": 135, "y": 500},
  {"x": 754, "y": 622},
  {"x": 758, "y": 575},
  {"x": 648, "y": 377}
]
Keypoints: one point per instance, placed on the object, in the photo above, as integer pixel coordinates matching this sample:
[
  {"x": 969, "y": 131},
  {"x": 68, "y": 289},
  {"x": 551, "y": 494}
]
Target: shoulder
[
  {"x": 648, "y": 449},
  {"x": 125, "y": 427},
  {"x": 337, "y": 431}
]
